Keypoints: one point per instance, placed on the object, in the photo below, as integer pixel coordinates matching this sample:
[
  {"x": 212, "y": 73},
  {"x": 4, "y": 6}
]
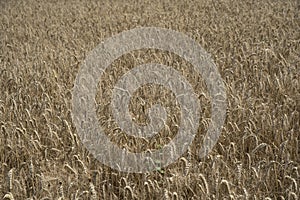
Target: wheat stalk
[
  {"x": 225, "y": 184},
  {"x": 9, "y": 196},
  {"x": 205, "y": 183},
  {"x": 93, "y": 192},
  {"x": 129, "y": 190},
  {"x": 10, "y": 179},
  {"x": 61, "y": 191},
  {"x": 166, "y": 194},
  {"x": 292, "y": 196}
]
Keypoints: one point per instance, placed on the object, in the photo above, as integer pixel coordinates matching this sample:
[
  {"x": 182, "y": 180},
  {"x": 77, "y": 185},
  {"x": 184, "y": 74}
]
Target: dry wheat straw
[
  {"x": 10, "y": 179},
  {"x": 246, "y": 193},
  {"x": 9, "y": 196},
  {"x": 225, "y": 184},
  {"x": 166, "y": 194},
  {"x": 81, "y": 163},
  {"x": 239, "y": 173},
  {"x": 205, "y": 183},
  {"x": 259, "y": 70},
  {"x": 294, "y": 182},
  {"x": 129, "y": 190},
  {"x": 93, "y": 191},
  {"x": 292, "y": 196},
  {"x": 61, "y": 190},
  {"x": 175, "y": 196},
  {"x": 67, "y": 166}
]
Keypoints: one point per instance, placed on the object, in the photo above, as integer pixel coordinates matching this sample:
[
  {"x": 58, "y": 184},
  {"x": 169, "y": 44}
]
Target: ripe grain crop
[{"x": 256, "y": 47}]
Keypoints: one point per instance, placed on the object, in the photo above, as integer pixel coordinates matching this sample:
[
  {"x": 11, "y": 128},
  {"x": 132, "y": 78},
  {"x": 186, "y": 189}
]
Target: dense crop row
[{"x": 256, "y": 46}]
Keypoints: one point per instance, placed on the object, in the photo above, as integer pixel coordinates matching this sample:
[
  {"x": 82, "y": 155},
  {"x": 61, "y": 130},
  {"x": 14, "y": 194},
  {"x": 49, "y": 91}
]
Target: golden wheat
[{"x": 255, "y": 46}]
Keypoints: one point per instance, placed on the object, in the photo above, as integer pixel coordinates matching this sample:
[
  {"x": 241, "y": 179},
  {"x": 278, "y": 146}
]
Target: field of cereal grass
[{"x": 256, "y": 47}]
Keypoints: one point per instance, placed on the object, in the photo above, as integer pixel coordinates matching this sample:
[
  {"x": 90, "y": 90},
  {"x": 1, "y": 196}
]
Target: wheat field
[{"x": 254, "y": 44}]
